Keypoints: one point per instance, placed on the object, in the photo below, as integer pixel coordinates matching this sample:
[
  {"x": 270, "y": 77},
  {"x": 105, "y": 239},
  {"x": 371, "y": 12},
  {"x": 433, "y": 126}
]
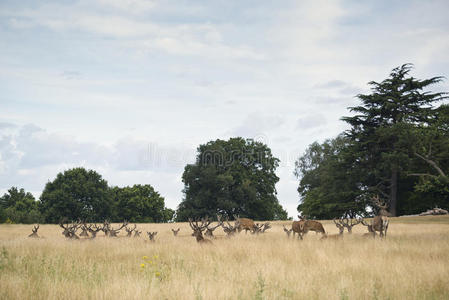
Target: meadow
[{"x": 411, "y": 263}]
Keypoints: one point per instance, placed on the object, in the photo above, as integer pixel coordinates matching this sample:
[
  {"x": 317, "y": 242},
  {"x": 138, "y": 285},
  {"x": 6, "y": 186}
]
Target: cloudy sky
[{"x": 130, "y": 88}]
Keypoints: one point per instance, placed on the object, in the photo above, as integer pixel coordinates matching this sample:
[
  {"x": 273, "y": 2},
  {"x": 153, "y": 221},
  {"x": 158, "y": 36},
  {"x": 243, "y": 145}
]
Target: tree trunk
[{"x": 393, "y": 191}]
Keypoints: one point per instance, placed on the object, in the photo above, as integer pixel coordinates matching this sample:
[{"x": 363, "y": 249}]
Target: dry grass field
[{"x": 412, "y": 263}]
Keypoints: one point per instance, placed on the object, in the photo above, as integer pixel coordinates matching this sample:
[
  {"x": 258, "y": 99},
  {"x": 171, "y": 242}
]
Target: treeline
[
  {"x": 397, "y": 147},
  {"x": 83, "y": 194}
]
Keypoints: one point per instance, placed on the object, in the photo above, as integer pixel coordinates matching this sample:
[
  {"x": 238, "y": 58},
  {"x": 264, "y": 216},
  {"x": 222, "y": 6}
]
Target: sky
[{"x": 130, "y": 88}]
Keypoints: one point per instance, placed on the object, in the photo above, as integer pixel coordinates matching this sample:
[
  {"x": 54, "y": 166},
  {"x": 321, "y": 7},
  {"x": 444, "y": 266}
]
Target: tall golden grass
[{"x": 412, "y": 263}]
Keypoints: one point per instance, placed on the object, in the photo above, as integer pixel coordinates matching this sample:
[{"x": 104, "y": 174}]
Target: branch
[
  {"x": 432, "y": 163},
  {"x": 422, "y": 174}
]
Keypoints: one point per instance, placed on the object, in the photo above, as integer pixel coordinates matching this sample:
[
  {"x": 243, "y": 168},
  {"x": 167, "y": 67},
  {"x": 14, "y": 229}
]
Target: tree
[
  {"x": 231, "y": 177},
  {"x": 382, "y": 129},
  {"x": 328, "y": 184},
  {"x": 76, "y": 193},
  {"x": 19, "y": 206},
  {"x": 140, "y": 203}
]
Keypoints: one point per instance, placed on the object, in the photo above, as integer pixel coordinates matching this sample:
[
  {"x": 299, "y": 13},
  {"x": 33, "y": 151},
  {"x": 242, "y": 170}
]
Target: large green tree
[
  {"x": 19, "y": 206},
  {"x": 76, "y": 193},
  {"x": 231, "y": 177},
  {"x": 140, "y": 203},
  {"x": 383, "y": 126},
  {"x": 328, "y": 184}
]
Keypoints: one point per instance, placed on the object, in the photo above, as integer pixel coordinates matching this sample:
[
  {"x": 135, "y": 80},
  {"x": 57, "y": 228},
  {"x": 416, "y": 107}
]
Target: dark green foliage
[
  {"x": 231, "y": 177},
  {"x": 19, "y": 206},
  {"x": 76, "y": 193},
  {"x": 382, "y": 131},
  {"x": 140, "y": 203},
  {"x": 328, "y": 181}
]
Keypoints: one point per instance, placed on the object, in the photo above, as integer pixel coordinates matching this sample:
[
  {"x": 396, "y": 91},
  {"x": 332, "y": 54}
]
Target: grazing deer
[
  {"x": 34, "y": 230},
  {"x": 175, "y": 232},
  {"x": 287, "y": 231},
  {"x": 129, "y": 231},
  {"x": 243, "y": 224},
  {"x": 380, "y": 222},
  {"x": 311, "y": 225},
  {"x": 198, "y": 230},
  {"x": 371, "y": 232},
  {"x": 69, "y": 230},
  {"x": 151, "y": 235}
]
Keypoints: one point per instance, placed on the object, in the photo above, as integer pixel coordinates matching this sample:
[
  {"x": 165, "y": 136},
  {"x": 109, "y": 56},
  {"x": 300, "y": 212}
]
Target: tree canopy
[
  {"x": 18, "y": 206},
  {"x": 231, "y": 177}
]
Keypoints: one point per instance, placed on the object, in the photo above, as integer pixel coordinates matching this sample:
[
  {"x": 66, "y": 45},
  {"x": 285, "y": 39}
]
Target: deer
[
  {"x": 261, "y": 228},
  {"x": 110, "y": 231},
  {"x": 84, "y": 229},
  {"x": 380, "y": 222},
  {"x": 287, "y": 231},
  {"x": 210, "y": 230},
  {"x": 228, "y": 229},
  {"x": 348, "y": 223},
  {"x": 69, "y": 230},
  {"x": 198, "y": 230},
  {"x": 175, "y": 232},
  {"x": 296, "y": 227},
  {"x": 371, "y": 232},
  {"x": 34, "y": 232},
  {"x": 311, "y": 225},
  {"x": 337, "y": 236},
  {"x": 151, "y": 235},
  {"x": 129, "y": 231},
  {"x": 137, "y": 233},
  {"x": 243, "y": 224},
  {"x": 93, "y": 232}
]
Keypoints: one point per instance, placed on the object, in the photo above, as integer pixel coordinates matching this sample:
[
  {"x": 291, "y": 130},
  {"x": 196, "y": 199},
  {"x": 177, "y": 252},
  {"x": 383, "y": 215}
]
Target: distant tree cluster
[
  {"x": 83, "y": 194},
  {"x": 397, "y": 147}
]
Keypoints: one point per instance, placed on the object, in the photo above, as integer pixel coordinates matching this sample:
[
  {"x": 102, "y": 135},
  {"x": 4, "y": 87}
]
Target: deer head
[
  {"x": 129, "y": 231},
  {"x": 175, "y": 232},
  {"x": 34, "y": 232},
  {"x": 69, "y": 229},
  {"x": 198, "y": 229},
  {"x": 137, "y": 233},
  {"x": 287, "y": 231},
  {"x": 113, "y": 232},
  {"x": 151, "y": 235},
  {"x": 381, "y": 205}
]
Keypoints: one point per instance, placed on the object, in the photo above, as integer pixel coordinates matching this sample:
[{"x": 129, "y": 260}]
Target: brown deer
[
  {"x": 337, "y": 236},
  {"x": 261, "y": 228},
  {"x": 34, "y": 230},
  {"x": 198, "y": 230},
  {"x": 243, "y": 224},
  {"x": 380, "y": 222},
  {"x": 311, "y": 225},
  {"x": 371, "y": 232},
  {"x": 229, "y": 229},
  {"x": 348, "y": 223},
  {"x": 151, "y": 235},
  {"x": 69, "y": 230},
  {"x": 287, "y": 231},
  {"x": 137, "y": 233},
  {"x": 175, "y": 232},
  {"x": 111, "y": 232},
  {"x": 210, "y": 230},
  {"x": 93, "y": 230},
  {"x": 129, "y": 231},
  {"x": 296, "y": 228},
  {"x": 84, "y": 229}
]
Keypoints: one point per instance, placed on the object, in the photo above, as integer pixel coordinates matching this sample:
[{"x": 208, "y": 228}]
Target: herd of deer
[{"x": 89, "y": 231}]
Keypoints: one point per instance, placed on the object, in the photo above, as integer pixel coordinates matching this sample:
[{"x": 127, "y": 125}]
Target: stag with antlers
[
  {"x": 93, "y": 230},
  {"x": 110, "y": 231},
  {"x": 261, "y": 228},
  {"x": 69, "y": 229},
  {"x": 198, "y": 230},
  {"x": 228, "y": 228},
  {"x": 347, "y": 223},
  {"x": 380, "y": 222},
  {"x": 337, "y": 236},
  {"x": 34, "y": 232},
  {"x": 151, "y": 235},
  {"x": 129, "y": 231}
]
